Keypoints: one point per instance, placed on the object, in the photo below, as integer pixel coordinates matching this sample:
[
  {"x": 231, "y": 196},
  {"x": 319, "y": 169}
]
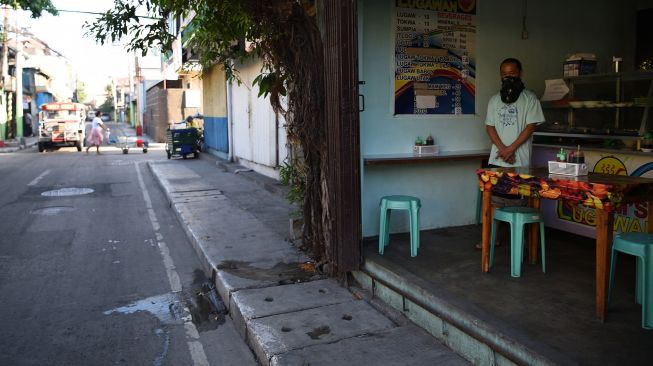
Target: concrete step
[
  {"x": 446, "y": 319},
  {"x": 322, "y": 323}
]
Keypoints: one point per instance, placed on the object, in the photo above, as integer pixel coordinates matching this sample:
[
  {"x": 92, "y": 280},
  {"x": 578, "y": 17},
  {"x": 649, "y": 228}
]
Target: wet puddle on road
[
  {"x": 203, "y": 306},
  {"x": 167, "y": 308},
  {"x": 51, "y": 211},
  {"x": 64, "y": 192}
]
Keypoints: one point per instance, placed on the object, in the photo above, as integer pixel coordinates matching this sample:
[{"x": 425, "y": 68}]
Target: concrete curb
[
  {"x": 284, "y": 319},
  {"x": 207, "y": 265},
  {"x": 10, "y": 149}
]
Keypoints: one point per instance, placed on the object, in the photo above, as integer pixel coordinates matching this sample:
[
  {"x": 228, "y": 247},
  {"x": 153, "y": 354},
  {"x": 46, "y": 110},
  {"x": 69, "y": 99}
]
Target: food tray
[
  {"x": 572, "y": 169},
  {"x": 425, "y": 149}
]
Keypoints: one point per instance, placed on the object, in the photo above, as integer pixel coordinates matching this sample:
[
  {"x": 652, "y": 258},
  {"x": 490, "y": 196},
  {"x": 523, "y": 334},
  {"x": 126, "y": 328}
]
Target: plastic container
[
  {"x": 563, "y": 168},
  {"x": 425, "y": 150}
]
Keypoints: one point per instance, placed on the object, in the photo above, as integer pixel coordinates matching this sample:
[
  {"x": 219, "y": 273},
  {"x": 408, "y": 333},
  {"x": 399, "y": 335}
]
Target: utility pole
[
  {"x": 115, "y": 100},
  {"x": 131, "y": 94},
  {"x": 137, "y": 104},
  {"x": 19, "y": 86},
  {"x": 4, "y": 77}
]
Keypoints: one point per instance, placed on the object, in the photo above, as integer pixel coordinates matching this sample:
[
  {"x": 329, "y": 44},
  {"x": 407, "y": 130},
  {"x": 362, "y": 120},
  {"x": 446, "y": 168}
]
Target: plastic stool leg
[
  {"x": 647, "y": 292},
  {"x": 383, "y": 228},
  {"x": 415, "y": 210},
  {"x": 516, "y": 248},
  {"x": 414, "y": 231},
  {"x": 542, "y": 247},
  {"x": 417, "y": 233},
  {"x": 388, "y": 215},
  {"x": 613, "y": 268},
  {"x": 639, "y": 279}
]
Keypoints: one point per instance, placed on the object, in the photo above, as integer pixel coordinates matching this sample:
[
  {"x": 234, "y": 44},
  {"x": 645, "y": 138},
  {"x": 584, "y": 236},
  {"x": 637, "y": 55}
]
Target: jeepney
[{"x": 62, "y": 124}]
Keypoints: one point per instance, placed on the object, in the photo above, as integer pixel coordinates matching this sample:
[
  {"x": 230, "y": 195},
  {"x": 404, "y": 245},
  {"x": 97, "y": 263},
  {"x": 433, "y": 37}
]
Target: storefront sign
[
  {"x": 435, "y": 57},
  {"x": 628, "y": 218}
]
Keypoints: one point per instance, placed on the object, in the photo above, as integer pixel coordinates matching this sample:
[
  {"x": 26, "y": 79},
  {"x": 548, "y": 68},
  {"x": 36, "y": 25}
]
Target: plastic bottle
[
  {"x": 429, "y": 140},
  {"x": 561, "y": 156},
  {"x": 579, "y": 157}
]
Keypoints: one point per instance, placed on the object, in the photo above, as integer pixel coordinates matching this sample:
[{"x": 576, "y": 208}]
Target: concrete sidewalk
[
  {"x": 238, "y": 222},
  {"x": 14, "y": 145}
]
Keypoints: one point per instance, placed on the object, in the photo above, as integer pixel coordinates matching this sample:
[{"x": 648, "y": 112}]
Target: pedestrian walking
[{"x": 96, "y": 136}]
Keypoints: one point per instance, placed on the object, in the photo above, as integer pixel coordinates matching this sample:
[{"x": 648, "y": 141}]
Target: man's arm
[
  {"x": 507, "y": 153},
  {"x": 496, "y": 140},
  {"x": 494, "y": 137},
  {"x": 523, "y": 137}
]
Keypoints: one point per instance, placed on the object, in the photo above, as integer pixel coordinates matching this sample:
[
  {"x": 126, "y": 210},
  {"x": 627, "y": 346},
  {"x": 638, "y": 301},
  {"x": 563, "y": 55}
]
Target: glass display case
[{"x": 601, "y": 109}]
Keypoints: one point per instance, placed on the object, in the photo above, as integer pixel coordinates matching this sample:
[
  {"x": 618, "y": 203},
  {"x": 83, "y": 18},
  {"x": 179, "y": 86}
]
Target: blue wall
[
  {"x": 42, "y": 98},
  {"x": 216, "y": 135}
]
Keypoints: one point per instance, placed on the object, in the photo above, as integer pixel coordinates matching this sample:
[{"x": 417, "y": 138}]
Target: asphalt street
[{"x": 96, "y": 270}]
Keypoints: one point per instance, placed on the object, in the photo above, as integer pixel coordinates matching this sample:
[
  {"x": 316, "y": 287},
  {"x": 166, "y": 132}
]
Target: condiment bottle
[
  {"x": 418, "y": 141},
  {"x": 429, "y": 140},
  {"x": 561, "y": 156},
  {"x": 579, "y": 157}
]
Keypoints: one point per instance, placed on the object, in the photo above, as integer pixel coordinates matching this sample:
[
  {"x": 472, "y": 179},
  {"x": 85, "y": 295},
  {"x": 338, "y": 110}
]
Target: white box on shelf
[
  {"x": 562, "y": 168},
  {"x": 425, "y": 149}
]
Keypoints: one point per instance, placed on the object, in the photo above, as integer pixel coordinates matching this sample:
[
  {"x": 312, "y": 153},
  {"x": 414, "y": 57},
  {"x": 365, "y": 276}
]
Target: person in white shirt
[
  {"x": 512, "y": 115},
  {"x": 96, "y": 136}
]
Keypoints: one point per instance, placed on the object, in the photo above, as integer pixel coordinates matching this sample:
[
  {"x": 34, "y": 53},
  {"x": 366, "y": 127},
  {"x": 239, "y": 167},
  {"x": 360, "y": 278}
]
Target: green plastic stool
[
  {"x": 388, "y": 203},
  {"x": 517, "y": 217},
  {"x": 639, "y": 245}
]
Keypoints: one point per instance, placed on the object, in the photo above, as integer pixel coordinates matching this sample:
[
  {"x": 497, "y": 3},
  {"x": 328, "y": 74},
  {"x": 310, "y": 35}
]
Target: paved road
[{"x": 96, "y": 270}]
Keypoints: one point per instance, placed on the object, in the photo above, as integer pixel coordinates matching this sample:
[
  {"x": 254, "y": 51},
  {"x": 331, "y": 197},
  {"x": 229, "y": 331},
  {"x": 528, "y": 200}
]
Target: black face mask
[{"x": 511, "y": 88}]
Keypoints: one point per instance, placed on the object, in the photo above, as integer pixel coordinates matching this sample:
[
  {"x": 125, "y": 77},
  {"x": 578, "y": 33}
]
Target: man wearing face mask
[{"x": 512, "y": 115}]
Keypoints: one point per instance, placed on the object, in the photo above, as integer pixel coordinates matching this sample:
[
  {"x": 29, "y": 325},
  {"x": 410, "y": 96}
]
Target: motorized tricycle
[{"x": 185, "y": 137}]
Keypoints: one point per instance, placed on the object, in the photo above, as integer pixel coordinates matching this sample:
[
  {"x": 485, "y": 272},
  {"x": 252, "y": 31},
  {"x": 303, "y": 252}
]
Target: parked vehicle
[
  {"x": 186, "y": 137},
  {"x": 62, "y": 124},
  {"x": 183, "y": 141}
]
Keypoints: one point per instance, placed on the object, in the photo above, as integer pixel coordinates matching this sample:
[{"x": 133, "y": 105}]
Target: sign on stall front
[{"x": 628, "y": 218}]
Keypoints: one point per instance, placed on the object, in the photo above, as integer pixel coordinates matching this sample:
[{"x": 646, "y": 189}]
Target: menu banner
[{"x": 435, "y": 57}]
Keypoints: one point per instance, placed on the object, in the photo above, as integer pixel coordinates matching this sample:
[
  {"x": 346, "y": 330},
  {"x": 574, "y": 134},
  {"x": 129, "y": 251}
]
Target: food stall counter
[{"x": 410, "y": 158}]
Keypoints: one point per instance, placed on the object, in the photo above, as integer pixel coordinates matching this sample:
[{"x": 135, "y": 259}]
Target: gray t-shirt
[{"x": 510, "y": 120}]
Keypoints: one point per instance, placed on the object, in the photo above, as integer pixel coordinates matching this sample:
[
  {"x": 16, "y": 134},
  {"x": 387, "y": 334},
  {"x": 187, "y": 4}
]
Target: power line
[{"x": 96, "y": 13}]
